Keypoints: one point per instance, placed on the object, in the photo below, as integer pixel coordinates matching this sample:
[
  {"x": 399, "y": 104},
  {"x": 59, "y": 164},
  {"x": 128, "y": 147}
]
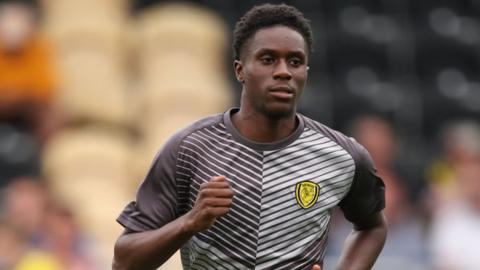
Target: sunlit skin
[{"x": 273, "y": 71}]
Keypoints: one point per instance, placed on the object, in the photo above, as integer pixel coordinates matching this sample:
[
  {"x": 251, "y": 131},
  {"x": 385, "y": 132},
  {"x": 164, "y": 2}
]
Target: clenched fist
[{"x": 213, "y": 201}]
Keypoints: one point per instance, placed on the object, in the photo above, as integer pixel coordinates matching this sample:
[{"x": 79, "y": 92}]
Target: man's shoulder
[
  {"x": 171, "y": 147},
  {"x": 208, "y": 121},
  {"x": 325, "y": 130},
  {"x": 355, "y": 149}
]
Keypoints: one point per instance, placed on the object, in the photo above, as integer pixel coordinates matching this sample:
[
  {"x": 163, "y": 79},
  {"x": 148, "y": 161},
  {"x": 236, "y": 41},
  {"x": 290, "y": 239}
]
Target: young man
[{"x": 253, "y": 188}]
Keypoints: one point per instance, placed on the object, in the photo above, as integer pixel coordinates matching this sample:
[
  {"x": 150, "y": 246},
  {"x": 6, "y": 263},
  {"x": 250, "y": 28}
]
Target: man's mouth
[{"x": 282, "y": 92}]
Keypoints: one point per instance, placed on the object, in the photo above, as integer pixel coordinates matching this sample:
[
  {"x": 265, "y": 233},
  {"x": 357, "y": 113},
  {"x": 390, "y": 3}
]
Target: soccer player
[{"x": 253, "y": 188}]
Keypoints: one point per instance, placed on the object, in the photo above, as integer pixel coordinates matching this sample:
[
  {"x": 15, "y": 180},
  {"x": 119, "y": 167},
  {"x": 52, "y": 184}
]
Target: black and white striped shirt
[{"x": 284, "y": 193}]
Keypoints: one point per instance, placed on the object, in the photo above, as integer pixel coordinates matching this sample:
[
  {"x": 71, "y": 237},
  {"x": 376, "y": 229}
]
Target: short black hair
[{"x": 268, "y": 15}]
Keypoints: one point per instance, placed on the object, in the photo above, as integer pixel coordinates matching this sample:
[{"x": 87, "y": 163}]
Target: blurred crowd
[
  {"x": 37, "y": 232},
  {"x": 89, "y": 90},
  {"x": 436, "y": 229},
  {"x": 37, "y": 229}
]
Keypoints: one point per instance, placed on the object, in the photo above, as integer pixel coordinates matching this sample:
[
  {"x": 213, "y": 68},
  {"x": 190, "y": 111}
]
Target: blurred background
[{"x": 90, "y": 90}]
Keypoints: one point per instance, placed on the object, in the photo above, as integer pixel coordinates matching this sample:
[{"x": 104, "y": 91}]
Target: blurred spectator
[
  {"x": 15, "y": 253},
  {"x": 10, "y": 248},
  {"x": 405, "y": 246},
  {"x": 43, "y": 226},
  {"x": 461, "y": 147},
  {"x": 64, "y": 239},
  {"x": 27, "y": 79},
  {"x": 24, "y": 206},
  {"x": 455, "y": 227},
  {"x": 378, "y": 137}
]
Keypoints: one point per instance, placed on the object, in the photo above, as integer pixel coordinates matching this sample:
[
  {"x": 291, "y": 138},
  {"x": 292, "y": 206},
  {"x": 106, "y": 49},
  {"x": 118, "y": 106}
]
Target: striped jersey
[{"x": 284, "y": 193}]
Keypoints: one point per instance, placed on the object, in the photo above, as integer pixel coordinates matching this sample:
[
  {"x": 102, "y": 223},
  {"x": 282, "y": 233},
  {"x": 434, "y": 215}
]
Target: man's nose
[{"x": 281, "y": 71}]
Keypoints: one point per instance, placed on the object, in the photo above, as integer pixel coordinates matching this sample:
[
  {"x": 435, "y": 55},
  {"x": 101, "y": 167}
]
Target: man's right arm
[{"x": 150, "y": 249}]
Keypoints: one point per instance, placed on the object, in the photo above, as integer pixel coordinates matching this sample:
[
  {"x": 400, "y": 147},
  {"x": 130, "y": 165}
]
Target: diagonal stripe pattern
[
  {"x": 286, "y": 230},
  {"x": 231, "y": 242},
  {"x": 265, "y": 228}
]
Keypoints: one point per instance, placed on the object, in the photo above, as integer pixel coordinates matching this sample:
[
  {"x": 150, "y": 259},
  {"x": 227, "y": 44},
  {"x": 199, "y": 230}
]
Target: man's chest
[
  {"x": 282, "y": 198},
  {"x": 313, "y": 173}
]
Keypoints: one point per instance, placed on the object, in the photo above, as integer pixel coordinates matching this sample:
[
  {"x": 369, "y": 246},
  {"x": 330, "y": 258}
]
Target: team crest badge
[{"x": 306, "y": 193}]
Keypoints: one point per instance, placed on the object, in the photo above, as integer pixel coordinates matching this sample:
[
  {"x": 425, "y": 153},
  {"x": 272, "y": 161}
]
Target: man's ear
[{"x": 238, "y": 68}]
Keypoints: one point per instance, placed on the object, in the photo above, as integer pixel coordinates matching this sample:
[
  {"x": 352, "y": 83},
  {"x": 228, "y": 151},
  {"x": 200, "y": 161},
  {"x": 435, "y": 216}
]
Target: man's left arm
[{"x": 364, "y": 243}]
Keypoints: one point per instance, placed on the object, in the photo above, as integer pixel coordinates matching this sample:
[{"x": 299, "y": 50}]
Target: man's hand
[
  {"x": 316, "y": 267},
  {"x": 213, "y": 201},
  {"x": 150, "y": 249}
]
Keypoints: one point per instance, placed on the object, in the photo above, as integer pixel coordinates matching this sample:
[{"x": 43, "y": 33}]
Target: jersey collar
[{"x": 227, "y": 119}]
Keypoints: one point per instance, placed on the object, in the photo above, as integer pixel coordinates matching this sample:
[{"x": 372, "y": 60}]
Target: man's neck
[{"x": 261, "y": 128}]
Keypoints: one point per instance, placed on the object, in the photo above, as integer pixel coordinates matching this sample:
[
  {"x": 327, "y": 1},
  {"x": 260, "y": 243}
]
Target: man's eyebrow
[
  {"x": 298, "y": 53},
  {"x": 264, "y": 50},
  {"x": 273, "y": 51}
]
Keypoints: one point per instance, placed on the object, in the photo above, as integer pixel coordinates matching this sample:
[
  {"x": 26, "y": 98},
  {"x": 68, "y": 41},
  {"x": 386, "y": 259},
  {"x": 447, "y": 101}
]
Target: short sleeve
[
  {"x": 156, "y": 200},
  {"x": 367, "y": 193}
]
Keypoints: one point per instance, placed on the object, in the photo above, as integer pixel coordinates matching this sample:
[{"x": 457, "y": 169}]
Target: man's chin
[{"x": 279, "y": 112}]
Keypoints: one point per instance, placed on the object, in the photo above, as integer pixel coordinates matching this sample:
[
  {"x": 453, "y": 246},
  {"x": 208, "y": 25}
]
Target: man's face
[{"x": 273, "y": 70}]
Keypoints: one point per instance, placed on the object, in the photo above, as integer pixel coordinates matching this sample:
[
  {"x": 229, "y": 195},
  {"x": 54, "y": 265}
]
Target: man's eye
[
  {"x": 295, "y": 62},
  {"x": 267, "y": 59}
]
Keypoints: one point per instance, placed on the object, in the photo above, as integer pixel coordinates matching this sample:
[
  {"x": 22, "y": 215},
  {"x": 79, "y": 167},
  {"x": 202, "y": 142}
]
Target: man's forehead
[{"x": 275, "y": 38}]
